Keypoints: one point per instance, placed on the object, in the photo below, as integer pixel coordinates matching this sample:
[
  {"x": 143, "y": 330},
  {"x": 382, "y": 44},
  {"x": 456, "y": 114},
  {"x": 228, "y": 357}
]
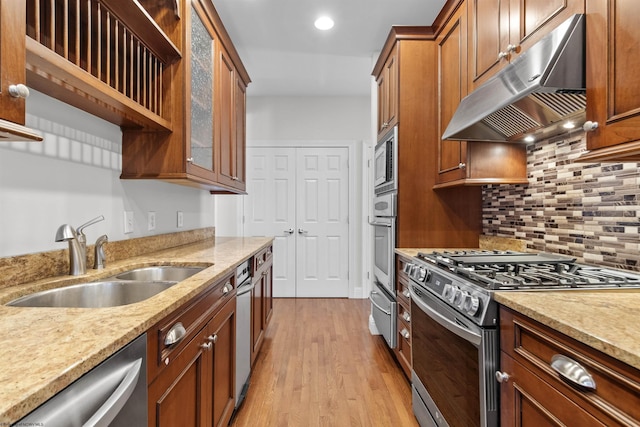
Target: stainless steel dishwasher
[
  {"x": 113, "y": 394},
  {"x": 243, "y": 330}
]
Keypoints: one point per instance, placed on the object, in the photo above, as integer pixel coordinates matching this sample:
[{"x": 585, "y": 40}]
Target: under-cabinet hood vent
[{"x": 540, "y": 94}]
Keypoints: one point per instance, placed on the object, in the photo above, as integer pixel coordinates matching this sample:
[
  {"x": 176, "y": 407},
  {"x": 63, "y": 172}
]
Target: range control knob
[
  {"x": 407, "y": 268},
  {"x": 447, "y": 291},
  {"x": 453, "y": 296},
  {"x": 461, "y": 299},
  {"x": 472, "y": 305},
  {"x": 423, "y": 274}
]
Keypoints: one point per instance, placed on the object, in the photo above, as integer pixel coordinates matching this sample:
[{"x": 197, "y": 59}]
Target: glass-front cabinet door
[{"x": 200, "y": 158}]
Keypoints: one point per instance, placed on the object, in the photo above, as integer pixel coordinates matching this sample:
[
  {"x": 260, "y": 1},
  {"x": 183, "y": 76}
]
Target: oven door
[
  {"x": 383, "y": 248},
  {"x": 383, "y": 311},
  {"x": 453, "y": 365}
]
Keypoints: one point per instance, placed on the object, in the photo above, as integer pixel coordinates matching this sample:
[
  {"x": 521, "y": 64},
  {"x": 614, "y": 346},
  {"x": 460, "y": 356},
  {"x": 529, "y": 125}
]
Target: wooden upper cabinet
[
  {"x": 501, "y": 30},
  {"x": 12, "y": 72},
  {"x": 460, "y": 162},
  {"x": 206, "y": 148},
  {"x": 613, "y": 83},
  {"x": 387, "y": 82}
]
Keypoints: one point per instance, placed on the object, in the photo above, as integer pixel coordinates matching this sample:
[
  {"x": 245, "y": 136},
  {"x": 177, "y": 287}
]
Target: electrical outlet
[
  {"x": 180, "y": 219},
  {"x": 128, "y": 222},
  {"x": 151, "y": 221}
]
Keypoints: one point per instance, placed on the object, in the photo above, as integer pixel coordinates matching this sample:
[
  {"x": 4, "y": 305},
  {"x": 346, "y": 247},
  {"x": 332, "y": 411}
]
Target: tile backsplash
[{"x": 590, "y": 211}]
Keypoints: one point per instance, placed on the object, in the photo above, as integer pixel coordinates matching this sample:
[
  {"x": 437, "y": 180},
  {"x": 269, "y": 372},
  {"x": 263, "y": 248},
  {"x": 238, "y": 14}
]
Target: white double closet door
[{"x": 301, "y": 197}]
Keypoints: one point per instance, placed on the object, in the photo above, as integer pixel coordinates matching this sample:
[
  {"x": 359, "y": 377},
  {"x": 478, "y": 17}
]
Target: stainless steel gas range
[{"x": 455, "y": 336}]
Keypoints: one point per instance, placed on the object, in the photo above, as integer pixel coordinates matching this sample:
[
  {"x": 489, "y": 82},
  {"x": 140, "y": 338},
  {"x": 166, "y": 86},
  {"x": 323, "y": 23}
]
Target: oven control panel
[{"x": 465, "y": 297}]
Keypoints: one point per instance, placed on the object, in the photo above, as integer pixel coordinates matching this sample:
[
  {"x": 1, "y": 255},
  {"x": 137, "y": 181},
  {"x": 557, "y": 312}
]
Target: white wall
[
  {"x": 291, "y": 119},
  {"x": 73, "y": 176}
]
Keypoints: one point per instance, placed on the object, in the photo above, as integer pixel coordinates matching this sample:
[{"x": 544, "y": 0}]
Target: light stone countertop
[{"x": 46, "y": 349}]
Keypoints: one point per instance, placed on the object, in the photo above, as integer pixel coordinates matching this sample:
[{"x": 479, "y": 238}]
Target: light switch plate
[
  {"x": 180, "y": 219},
  {"x": 151, "y": 221},
  {"x": 128, "y": 222}
]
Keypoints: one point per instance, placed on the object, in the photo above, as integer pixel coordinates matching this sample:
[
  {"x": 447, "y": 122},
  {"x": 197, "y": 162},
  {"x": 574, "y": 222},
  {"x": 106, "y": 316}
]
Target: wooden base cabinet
[
  {"x": 533, "y": 393},
  {"x": 403, "y": 349},
  {"x": 192, "y": 381},
  {"x": 261, "y": 299}
]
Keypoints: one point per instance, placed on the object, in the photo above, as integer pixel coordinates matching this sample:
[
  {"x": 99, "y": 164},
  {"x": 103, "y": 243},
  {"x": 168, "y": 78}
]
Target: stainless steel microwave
[{"x": 385, "y": 165}]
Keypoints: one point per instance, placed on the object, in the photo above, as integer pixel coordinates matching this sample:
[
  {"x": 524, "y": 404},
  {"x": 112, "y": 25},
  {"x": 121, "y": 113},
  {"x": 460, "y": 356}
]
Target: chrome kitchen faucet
[{"x": 77, "y": 245}]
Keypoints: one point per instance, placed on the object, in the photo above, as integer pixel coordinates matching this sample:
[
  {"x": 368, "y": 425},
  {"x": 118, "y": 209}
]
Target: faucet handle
[{"x": 86, "y": 224}]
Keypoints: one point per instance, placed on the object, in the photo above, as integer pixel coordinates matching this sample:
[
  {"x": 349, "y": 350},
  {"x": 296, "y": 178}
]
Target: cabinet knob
[
  {"x": 385, "y": 125},
  {"x": 406, "y": 293},
  {"x": 235, "y": 178},
  {"x": 405, "y": 334},
  {"x": 19, "y": 91},
  {"x": 462, "y": 165},
  {"x": 206, "y": 346},
  {"x": 189, "y": 159},
  {"x": 502, "y": 377},
  {"x": 213, "y": 338},
  {"x": 502, "y": 55},
  {"x": 589, "y": 126},
  {"x": 406, "y": 317},
  {"x": 512, "y": 48}
]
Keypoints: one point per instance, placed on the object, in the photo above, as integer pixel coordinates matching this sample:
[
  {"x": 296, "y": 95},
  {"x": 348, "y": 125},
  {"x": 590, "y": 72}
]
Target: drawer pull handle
[
  {"x": 227, "y": 288},
  {"x": 572, "y": 371},
  {"x": 260, "y": 262},
  {"x": 175, "y": 334},
  {"x": 502, "y": 377},
  {"x": 405, "y": 334},
  {"x": 406, "y": 317}
]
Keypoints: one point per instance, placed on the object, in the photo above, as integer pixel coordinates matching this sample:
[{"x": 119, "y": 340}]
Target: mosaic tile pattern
[{"x": 590, "y": 211}]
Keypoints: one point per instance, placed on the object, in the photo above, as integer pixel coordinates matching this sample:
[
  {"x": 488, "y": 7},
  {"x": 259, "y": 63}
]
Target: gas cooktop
[{"x": 508, "y": 270}]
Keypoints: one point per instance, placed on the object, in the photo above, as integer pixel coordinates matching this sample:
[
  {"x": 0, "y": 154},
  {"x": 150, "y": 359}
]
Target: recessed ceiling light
[
  {"x": 529, "y": 138},
  {"x": 324, "y": 23}
]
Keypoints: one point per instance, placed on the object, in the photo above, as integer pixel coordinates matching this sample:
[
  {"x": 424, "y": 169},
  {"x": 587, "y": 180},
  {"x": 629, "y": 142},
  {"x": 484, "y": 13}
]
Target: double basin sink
[{"x": 125, "y": 288}]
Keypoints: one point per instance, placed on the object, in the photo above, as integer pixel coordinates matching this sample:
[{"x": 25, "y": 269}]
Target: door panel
[
  {"x": 270, "y": 212},
  {"x": 304, "y": 190}
]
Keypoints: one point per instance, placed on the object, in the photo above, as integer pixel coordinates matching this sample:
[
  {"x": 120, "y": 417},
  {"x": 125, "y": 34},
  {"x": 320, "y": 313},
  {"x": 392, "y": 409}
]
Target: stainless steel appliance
[
  {"x": 113, "y": 394},
  {"x": 383, "y": 302},
  {"x": 455, "y": 335},
  {"x": 385, "y": 164},
  {"x": 243, "y": 330}
]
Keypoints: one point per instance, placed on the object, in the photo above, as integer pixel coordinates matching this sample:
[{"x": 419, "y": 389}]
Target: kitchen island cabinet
[
  {"x": 461, "y": 162},
  {"x": 206, "y": 148},
  {"x": 501, "y": 30},
  {"x": 613, "y": 85},
  {"x": 533, "y": 392},
  {"x": 12, "y": 72}
]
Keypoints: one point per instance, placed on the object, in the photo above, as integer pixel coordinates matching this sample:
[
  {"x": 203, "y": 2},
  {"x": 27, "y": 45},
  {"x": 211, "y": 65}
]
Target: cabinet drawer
[
  {"x": 616, "y": 399},
  {"x": 184, "y": 325},
  {"x": 404, "y": 316},
  {"x": 262, "y": 259}
]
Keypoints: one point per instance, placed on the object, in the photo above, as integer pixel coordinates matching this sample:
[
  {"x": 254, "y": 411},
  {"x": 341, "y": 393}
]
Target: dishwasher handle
[
  {"x": 112, "y": 406},
  {"x": 243, "y": 289}
]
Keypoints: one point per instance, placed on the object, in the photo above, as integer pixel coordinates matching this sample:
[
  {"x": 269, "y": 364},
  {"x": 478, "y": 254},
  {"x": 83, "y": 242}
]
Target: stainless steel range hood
[{"x": 533, "y": 96}]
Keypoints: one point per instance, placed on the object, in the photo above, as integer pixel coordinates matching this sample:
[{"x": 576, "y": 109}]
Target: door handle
[
  {"x": 289, "y": 231},
  {"x": 301, "y": 231}
]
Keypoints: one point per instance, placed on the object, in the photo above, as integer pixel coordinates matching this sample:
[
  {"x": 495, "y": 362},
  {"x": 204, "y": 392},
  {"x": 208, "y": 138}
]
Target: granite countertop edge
[{"x": 46, "y": 349}]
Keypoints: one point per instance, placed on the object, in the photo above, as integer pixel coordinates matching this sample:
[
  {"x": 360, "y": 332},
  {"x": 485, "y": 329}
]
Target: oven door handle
[
  {"x": 454, "y": 327},
  {"x": 387, "y": 312},
  {"x": 379, "y": 224}
]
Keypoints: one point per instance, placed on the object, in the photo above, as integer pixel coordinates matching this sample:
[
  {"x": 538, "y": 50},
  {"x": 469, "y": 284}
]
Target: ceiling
[{"x": 286, "y": 55}]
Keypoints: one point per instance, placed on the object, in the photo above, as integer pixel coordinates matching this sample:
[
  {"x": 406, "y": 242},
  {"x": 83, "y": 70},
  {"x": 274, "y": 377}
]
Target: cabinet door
[
  {"x": 200, "y": 132},
  {"x": 268, "y": 296},
  {"x": 222, "y": 330},
  {"x": 488, "y": 36},
  {"x": 176, "y": 396},
  {"x": 388, "y": 94},
  {"x": 613, "y": 83},
  {"x": 239, "y": 120},
  {"x": 257, "y": 316},
  {"x": 452, "y": 76},
  {"x": 12, "y": 58}
]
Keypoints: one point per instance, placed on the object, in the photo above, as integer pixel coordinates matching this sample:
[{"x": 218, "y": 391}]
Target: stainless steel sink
[
  {"x": 160, "y": 273},
  {"x": 94, "y": 295}
]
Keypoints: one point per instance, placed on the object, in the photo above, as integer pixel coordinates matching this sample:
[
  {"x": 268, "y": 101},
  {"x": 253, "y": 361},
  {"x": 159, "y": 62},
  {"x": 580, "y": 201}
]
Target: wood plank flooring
[{"x": 320, "y": 366}]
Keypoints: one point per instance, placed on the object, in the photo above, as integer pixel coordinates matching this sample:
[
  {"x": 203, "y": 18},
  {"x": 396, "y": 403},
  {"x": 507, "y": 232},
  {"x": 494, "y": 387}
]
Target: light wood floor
[{"x": 320, "y": 366}]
